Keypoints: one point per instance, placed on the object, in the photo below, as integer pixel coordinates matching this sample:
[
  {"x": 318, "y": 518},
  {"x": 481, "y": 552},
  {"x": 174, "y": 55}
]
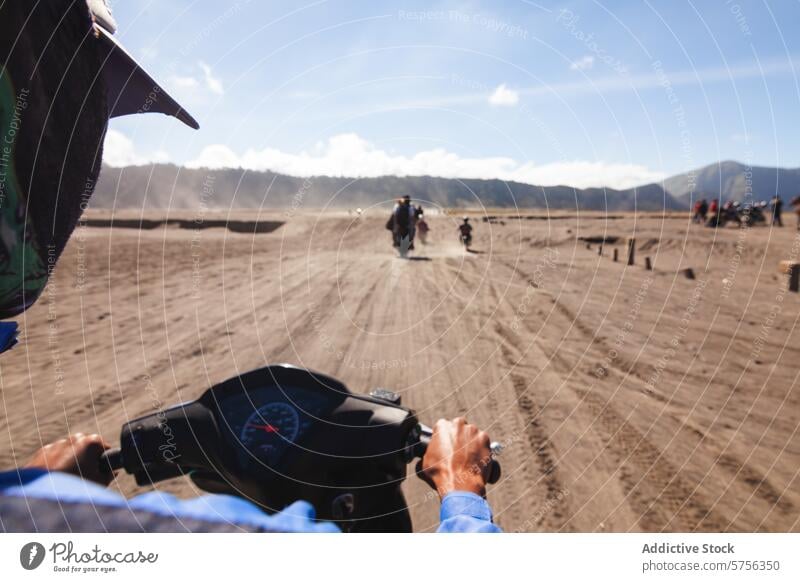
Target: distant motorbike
[
  {"x": 744, "y": 215},
  {"x": 280, "y": 434},
  {"x": 752, "y": 214},
  {"x": 465, "y": 233},
  {"x": 402, "y": 237},
  {"x": 729, "y": 212},
  {"x": 422, "y": 231},
  {"x": 403, "y": 240}
]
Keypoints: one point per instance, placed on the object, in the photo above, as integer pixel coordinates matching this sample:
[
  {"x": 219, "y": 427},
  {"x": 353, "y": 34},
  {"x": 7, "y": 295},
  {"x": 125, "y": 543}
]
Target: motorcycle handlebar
[{"x": 111, "y": 460}]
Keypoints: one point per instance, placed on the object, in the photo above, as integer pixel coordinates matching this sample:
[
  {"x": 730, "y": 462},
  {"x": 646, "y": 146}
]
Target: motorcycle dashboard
[{"x": 262, "y": 423}]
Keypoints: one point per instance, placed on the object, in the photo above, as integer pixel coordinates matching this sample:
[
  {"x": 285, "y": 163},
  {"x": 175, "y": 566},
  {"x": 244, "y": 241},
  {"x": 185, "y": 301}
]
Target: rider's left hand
[{"x": 78, "y": 454}]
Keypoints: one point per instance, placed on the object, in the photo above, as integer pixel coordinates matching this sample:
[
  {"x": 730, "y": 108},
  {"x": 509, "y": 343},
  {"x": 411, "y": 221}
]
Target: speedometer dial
[{"x": 269, "y": 430}]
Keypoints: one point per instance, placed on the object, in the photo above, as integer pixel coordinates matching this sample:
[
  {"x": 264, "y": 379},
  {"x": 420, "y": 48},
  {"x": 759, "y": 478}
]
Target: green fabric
[{"x": 23, "y": 273}]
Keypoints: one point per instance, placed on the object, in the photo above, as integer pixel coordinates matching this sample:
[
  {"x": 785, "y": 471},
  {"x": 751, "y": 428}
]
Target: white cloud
[
  {"x": 213, "y": 83},
  {"x": 352, "y": 156},
  {"x": 118, "y": 150},
  {"x": 503, "y": 97},
  {"x": 184, "y": 82},
  {"x": 583, "y": 63},
  {"x": 221, "y": 156},
  {"x": 583, "y": 174},
  {"x": 205, "y": 79}
]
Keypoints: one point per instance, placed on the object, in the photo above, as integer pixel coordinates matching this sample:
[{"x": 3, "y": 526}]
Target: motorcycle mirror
[
  {"x": 343, "y": 506},
  {"x": 386, "y": 396}
]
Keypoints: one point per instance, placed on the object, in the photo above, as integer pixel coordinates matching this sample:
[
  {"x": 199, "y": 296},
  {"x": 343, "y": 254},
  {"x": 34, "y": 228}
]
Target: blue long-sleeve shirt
[{"x": 460, "y": 511}]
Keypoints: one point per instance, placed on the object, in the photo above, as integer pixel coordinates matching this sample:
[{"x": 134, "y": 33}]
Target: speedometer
[{"x": 269, "y": 430}]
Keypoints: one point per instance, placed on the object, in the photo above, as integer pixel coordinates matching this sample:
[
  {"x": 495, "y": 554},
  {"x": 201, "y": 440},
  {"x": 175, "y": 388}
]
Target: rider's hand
[
  {"x": 458, "y": 458},
  {"x": 78, "y": 454}
]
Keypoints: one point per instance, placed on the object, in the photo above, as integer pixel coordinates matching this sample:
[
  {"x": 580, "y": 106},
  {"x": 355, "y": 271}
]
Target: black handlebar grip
[
  {"x": 111, "y": 460},
  {"x": 494, "y": 472}
]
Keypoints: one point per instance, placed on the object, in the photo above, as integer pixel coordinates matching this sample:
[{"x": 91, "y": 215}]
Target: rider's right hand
[
  {"x": 458, "y": 458},
  {"x": 78, "y": 454}
]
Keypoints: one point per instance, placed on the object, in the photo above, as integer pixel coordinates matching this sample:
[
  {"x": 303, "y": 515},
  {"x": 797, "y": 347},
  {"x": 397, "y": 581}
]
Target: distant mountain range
[
  {"x": 734, "y": 181},
  {"x": 169, "y": 186}
]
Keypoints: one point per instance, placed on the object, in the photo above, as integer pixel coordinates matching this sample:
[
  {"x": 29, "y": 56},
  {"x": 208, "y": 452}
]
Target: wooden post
[
  {"x": 792, "y": 269},
  {"x": 647, "y": 264},
  {"x": 616, "y": 252},
  {"x": 631, "y": 250},
  {"x": 600, "y": 250}
]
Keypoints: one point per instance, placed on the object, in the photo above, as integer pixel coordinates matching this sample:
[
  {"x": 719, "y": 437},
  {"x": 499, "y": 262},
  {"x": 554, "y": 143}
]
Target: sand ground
[{"x": 627, "y": 400}]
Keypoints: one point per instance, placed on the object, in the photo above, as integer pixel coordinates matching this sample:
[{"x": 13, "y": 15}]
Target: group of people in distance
[
  {"x": 714, "y": 215},
  {"x": 407, "y": 222}
]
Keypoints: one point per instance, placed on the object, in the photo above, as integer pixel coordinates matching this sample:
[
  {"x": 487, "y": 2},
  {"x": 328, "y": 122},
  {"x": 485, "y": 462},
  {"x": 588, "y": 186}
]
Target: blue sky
[{"x": 580, "y": 93}]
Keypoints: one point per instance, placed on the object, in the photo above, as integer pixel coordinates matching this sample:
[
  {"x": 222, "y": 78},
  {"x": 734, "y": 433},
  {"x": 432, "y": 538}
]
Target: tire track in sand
[{"x": 659, "y": 496}]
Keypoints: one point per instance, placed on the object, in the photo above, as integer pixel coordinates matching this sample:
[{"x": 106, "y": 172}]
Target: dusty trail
[{"x": 626, "y": 399}]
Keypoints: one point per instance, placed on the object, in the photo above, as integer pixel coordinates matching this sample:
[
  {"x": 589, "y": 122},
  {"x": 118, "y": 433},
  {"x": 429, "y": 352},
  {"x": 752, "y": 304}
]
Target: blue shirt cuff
[{"x": 463, "y": 503}]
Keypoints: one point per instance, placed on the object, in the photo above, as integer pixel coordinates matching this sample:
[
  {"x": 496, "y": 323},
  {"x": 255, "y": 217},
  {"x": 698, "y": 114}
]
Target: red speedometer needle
[{"x": 264, "y": 427}]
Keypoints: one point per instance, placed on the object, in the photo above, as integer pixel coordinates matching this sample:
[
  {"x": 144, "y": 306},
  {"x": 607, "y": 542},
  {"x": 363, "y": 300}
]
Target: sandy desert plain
[{"x": 627, "y": 399}]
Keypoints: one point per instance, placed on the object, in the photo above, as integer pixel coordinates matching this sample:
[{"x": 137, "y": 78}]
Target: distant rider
[
  {"x": 465, "y": 232},
  {"x": 422, "y": 229},
  {"x": 795, "y": 202},
  {"x": 703, "y": 210},
  {"x": 404, "y": 218},
  {"x": 698, "y": 212},
  {"x": 777, "y": 210},
  {"x": 713, "y": 211}
]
